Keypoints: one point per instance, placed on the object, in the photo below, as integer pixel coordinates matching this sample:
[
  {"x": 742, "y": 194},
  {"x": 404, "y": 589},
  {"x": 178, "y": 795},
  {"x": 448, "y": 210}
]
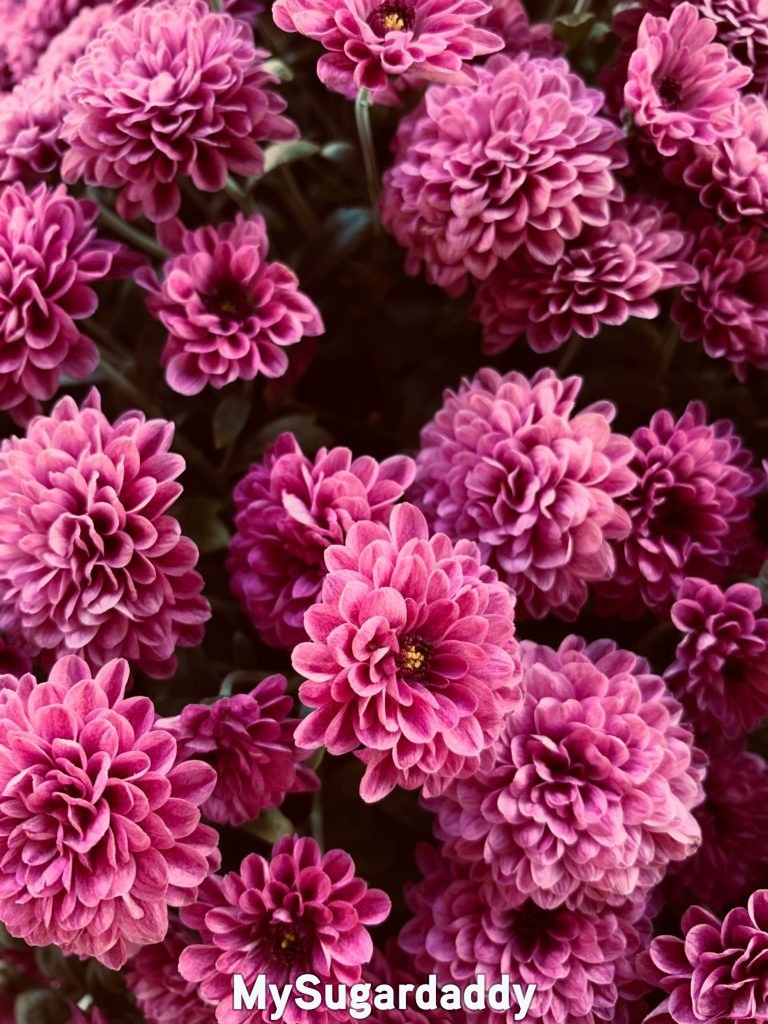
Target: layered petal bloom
[
  {"x": 30, "y": 128},
  {"x": 289, "y": 509},
  {"x": 71, "y": 43},
  {"x": 720, "y": 671},
  {"x": 509, "y": 19},
  {"x": 369, "y": 41},
  {"x": 90, "y": 561},
  {"x": 690, "y": 511},
  {"x": 170, "y": 90},
  {"x": 248, "y": 739},
  {"x": 33, "y": 27},
  {"x": 591, "y": 792},
  {"x": 229, "y": 312},
  {"x": 521, "y": 160},
  {"x": 99, "y": 820},
  {"x": 412, "y": 661},
  {"x": 682, "y": 86},
  {"x": 392, "y": 969},
  {"x": 153, "y": 979},
  {"x": 302, "y": 911},
  {"x": 609, "y": 274},
  {"x": 507, "y": 463}
]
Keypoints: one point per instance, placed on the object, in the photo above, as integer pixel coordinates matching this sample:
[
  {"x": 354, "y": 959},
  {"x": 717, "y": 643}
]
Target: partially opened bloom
[
  {"x": 289, "y": 509},
  {"x": 90, "y": 561},
  {"x": 682, "y": 86},
  {"x": 508, "y": 463},
  {"x": 99, "y": 819},
  {"x": 230, "y": 313},
  {"x": 248, "y": 739},
  {"x": 412, "y": 660},
  {"x": 153, "y": 978},
  {"x": 591, "y": 792},
  {"x": 30, "y": 128},
  {"x": 302, "y": 911},
  {"x": 170, "y": 90},
  {"x": 521, "y": 160},
  {"x": 509, "y": 19}
]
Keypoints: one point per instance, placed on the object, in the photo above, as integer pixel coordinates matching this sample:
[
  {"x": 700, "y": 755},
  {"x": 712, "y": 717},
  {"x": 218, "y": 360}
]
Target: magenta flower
[
  {"x": 509, "y": 19},
  {"x": 301, "y": 912},
  {"x": 690, "y": 511},
  {"x": 248, "y": 739},
  {"x": 71, "y": 43},
  {"x": 99, "y": 820},
  {"x": 153, "y": 978},
  {"x": 610, "y": 274},
  {"x": 395, "y": 969},
  {"x": 30, "y": 128},
  {"x": 506, "y": 463},
  {"x": 420, "y": 630},
  {"x": 367, "y": 41},
  {"x": 518, "y": 161},
  {"x": 289, "y": 509},
  {"x": 590, "y": 795},
  {"x": 91, "y": 563},
  {"x": 682, "y": 86},
  {"x": 230, "y": 313},
  {"x": 147, "y": 73},
  {"x": 33, "y": 27}
]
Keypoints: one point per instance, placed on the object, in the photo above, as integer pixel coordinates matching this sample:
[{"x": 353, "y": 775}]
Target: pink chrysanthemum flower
[
  {"x": 690, "y": 511},
  {"x": 420, "y": 630},
  {"x": 682, "y": 86},
  {"x": 395, "y": 969},
  {"x": 582, "y": 964},
  {"x": 509, "y": 19},
  {"x": 519, "y": 160},
  {"x": 590, "y": 795},
  {"x": 153, "y": 978},
  {"x": 508, "y": 464},
  {"x": 50, "y": 257},
  {"x": 71, "y": 43},
  {"x": 720, "y": 671},
  {"x": 147, "y": 73},
  {"x": 246, "y": 10},
  {"x": 91, "y": 563},
  {"x": 30, "y": 127},
  {"x": 248, "y": 739},
  {"x": 289, "y": 509},
  {"x": 726, "y": 308},
  {"x": 99, "y": 820},
  {"x": 35, "y": 25},
  {"x": 301, "y": 912},
  {"x": 369, "y": 41},
  {"x": 230, "y": 313},
  {"x": 610, "y": 274}
]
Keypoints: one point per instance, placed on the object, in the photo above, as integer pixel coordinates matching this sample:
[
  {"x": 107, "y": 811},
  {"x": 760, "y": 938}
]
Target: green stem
[
  {"x": 363, "y": 104},
  {"x": 238, "y": 195},
  {"x": 110, "y": 220},
  {"x": 299, "y": 205}
]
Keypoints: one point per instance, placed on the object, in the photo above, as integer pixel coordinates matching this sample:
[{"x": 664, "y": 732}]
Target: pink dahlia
[
  {"x": 229, "y": 312},
  {"x": 395, "y": 969},
  {"x": 301, "y": 912},
  {"x": 716, "y": 973},
  {"x": 519, "y": 160},
  {"x": 720, "y": 671},
  {"x": 581, "y": 963},
  {"x": 170, "y": 90},
  {"x": 30, "y": 128},
  {"x": 99, "y": 819},
  {"x": 289, "y": 509},
  {"x": 248, "y": 739},
  {"x": 153, "y": 978},
  {"x": 35, "y": 25},
  {"x": 726, "y": 307},
  {"x": 509, "y": 19},
  {"x": 412, "y": 660},
  {"x": 50, "y": 257},
  {"x": 506, "y": 463},
  {"x": 71, "y": 43},
  {"x": 690, "y": 511},
  {"x": 682, "y": 86},
  {"x": 367, "y": 42},
  {"x": 90, "y": 562},
  {"x": 611, "y": 273},
  {"x": 590, "y": 795}
]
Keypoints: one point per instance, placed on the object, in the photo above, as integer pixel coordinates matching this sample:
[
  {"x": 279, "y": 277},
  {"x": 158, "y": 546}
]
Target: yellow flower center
[
  {"x": 394, "y": 22},
  {"x": 412, "y": 659}
]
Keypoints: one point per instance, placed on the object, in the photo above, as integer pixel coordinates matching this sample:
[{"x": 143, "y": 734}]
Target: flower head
[
  {"x": 508, "y": 464},
  {"x": 99, "y": 820},
  {"x": 91, "y": 563},
  {"x": 509, "y": 19},
  {"x": 412, "y": 659},
  {"x": 162, "y": 994},
  {"x": 289, "y": 509},
  {"x": 35, "y": 24},
  {"x": 30, "y": 128}
]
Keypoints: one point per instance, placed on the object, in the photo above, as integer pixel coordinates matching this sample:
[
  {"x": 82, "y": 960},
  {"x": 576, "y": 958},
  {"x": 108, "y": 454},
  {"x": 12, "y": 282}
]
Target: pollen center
[
  {"x": 392, "y": 16},
  {"x": 413, "y": 658}
]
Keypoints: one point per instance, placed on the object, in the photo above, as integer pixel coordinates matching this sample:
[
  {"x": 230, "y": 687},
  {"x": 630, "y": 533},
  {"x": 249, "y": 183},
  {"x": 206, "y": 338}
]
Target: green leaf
[
  {"x": 573, "y": 29},
  {"x": 277, "y": 67},
  {"x": 199, "y": 518},
  {"x": 287, "y": 153},
  {"x": 41, "y": 1006},
  {"x": 230, "y": 417},
  {"x": 303, "y": 425},
  {"x": 270, "y": 826},
  {"x": 339, "y": 151}
]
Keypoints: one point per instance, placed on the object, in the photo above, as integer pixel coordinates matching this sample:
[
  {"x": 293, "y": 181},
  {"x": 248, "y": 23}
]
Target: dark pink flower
[
  {"x": 153, "y": 978},
  {"x": 301, "y": 912},
  {"x": 170, "y": 90},
  {"x": 412, "y": 660},
  {"x": 395, "y": 969},
  {"x": 508, "y": 464},
  {"x": 30, "y": 128},
  {"x": 230, "y": 313},
  {"x": 99, "y": 820},
  {"x": 590, "y": 795},
  {"x": 509, "y": 19},
  {"x": 519, "y": 160},
  {"x": 248, "y": 739},
  {"x": 71, "y": 43},
  {"x": 682, "y": 86},
  {"x": 91, "y": 563},
  {"x": 34, "y": 26},
  {"x": 289, "y": 509},
  {"x": 690, "y": 511}
]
